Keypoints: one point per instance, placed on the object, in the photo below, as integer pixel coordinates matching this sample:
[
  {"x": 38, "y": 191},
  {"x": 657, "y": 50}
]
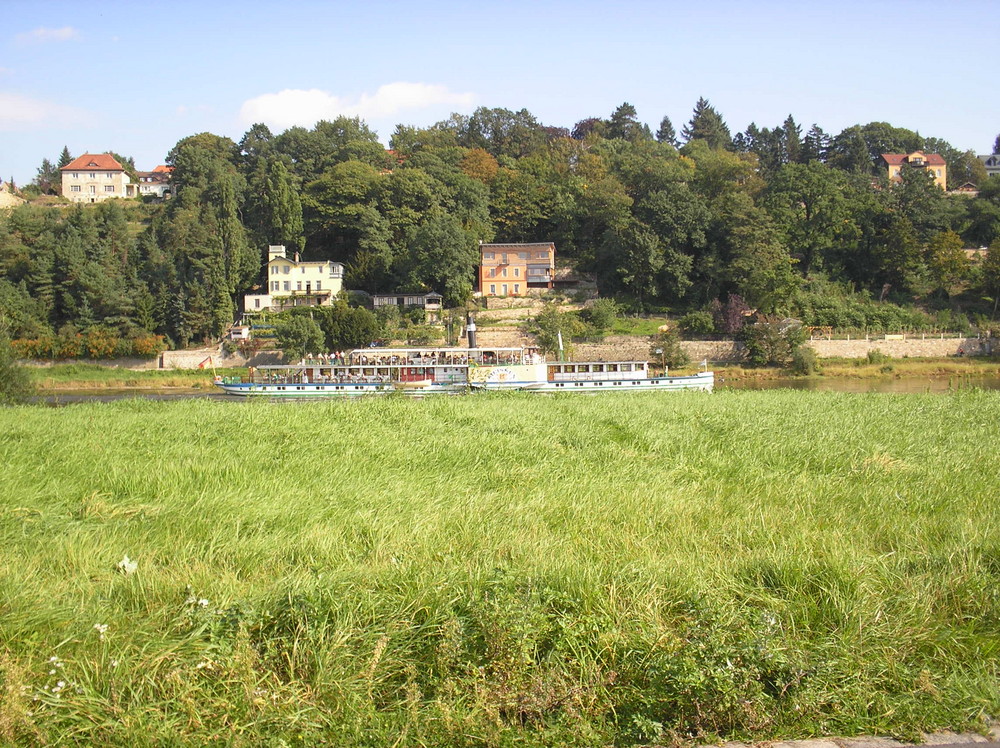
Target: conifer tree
[
  {"x": 707, "y": 124},
  {"x": 666, "y": 132}
]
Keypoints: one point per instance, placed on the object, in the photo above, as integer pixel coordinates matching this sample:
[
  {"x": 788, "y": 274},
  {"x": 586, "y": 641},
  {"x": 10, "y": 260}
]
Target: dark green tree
[
  {"x": 64, "y": 158},
  {"x": 665, "y": 133},
  {"x": 707, "y": 124},
  {"x": 298, "y": 335},
  {"x": 815, "y": 145},
  {"x": 625, "y": 125}
]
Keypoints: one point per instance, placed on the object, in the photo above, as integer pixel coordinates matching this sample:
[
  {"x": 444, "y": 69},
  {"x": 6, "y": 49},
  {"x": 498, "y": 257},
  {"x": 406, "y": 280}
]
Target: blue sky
[{"x": 135, "y": 77}]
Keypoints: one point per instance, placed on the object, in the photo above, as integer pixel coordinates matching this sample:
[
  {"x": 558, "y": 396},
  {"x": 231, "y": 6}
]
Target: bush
[
  {"x": 697, "y": 324},
  {"x": 601, "y": 315},
  {"x": 875, "y": 356},
  {"x": 805, "y": 361},
  {"x": 15, "y": 385},
  {"x": 666, "y": 349},
  {"x": 772, "y": 343}
]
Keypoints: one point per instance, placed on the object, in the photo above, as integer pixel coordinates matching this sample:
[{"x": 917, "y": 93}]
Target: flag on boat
[{"x": 206, "y": 362}]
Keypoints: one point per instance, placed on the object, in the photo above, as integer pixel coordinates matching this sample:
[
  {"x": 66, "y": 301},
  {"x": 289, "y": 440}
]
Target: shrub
[
  {"x": 15, "y": 386},
  {"x": 665, "y": 348},
  {"x": 875, "y": 356},
  {"x": 697, "y": 324},
  {"x": 771, "y": 343},
  {"x": 805, "y": 361},
  {"x": 601, "y": 315}
]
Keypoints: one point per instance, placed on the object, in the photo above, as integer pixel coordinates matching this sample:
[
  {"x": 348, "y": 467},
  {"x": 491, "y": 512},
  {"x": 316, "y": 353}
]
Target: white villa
[{"x": 291, "y": 282}]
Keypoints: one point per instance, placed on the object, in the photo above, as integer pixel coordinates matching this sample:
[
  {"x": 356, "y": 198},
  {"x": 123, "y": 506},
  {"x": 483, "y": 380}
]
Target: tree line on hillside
[{"x": 661, "y": 220}]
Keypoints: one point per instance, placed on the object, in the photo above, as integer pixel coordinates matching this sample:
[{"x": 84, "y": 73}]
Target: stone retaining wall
[{"x": 912, "y": 347}]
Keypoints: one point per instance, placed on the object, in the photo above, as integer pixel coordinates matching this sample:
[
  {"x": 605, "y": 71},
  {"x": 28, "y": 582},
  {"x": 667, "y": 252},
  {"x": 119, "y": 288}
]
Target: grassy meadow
[{"x": 499, "y": 570}]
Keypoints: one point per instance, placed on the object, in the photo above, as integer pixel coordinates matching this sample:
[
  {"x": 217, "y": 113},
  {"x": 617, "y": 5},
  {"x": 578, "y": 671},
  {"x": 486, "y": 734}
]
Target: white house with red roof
[
  {"x": 932, "y": 162},
  {"x": 155, "y": 183},
  {"x": 94, "y": 177}
]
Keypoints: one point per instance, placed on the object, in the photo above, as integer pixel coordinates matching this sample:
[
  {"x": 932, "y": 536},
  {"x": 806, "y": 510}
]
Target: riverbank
[
  {"x": 75, "y": 377},
  {"x": 594, "y": 571}
]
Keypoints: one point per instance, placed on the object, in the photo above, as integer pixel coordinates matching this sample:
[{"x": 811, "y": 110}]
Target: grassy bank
[
  {"x": 95, "y": 376},
  {"x": 499, "y": 570},
  {"x": 850, "y": 368}
]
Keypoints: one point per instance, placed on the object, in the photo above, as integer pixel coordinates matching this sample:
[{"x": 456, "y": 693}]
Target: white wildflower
[{"x": 127, "y": 566}]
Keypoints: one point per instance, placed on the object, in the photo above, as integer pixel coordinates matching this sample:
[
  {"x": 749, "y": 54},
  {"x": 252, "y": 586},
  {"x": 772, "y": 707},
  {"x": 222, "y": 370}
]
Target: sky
[{"x": 135, "y": 76}]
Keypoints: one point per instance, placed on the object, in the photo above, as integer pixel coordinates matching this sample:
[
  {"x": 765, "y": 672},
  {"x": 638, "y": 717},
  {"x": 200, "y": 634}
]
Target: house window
[
  {"x": 74, "y": 188},
  {"x": 93, "y": 189},
  {"x": 517, "y": 288},
  {"x": 274, "y": 269},
  {"x": 486, "y": 255},
  {"x": 505, "y": 272},
  {"x": 303, "y": 269},
  {"x": 256, "y": 303},
  {"x": 493, "y": 289},
  {"x": 76, "y": 176},
  {"x": 523, "y": 255},
  {"x": 288, "y": 286},
  {"x": 109, "y": 188},
  {"x": 517, "y": 272},
  {"x": 319, "y": 285},
  {"x": 504, "y": 287},
  {"x": 288, "y": 269},
  {"x": 493, "y": 272},
  {"x": 275, "y": 285},
  {"x": 298, "y": 286},
  {"x": 93, "y": 175}
]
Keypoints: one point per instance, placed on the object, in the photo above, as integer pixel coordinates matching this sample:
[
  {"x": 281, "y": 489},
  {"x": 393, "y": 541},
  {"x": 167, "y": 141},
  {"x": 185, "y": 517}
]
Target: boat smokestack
[{"x": 470, "y": 330}]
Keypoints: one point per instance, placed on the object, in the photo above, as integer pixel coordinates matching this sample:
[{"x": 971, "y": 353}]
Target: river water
[{"x": 939, "y": 385}]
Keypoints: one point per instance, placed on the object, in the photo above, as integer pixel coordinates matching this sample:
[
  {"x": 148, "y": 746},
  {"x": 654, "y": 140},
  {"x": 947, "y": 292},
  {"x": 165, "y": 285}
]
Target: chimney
[
  {"x": 296, "y": 257},
  {"x": 470, "y": 329}
]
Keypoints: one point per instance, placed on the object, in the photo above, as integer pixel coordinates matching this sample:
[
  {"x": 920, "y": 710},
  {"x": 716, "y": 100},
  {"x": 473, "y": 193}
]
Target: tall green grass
[{"x": 500, "y": 570}]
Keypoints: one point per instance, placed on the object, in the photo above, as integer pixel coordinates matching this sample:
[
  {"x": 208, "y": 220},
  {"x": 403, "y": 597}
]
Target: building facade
[
  {"x": 429, "y": 302},
  {"x": 95, "y": 177},
  {"x": 291, "y": 282},
  {"x": 155, "y": 183},
  {"x": 932, "y": 162},
  {"x": 516, "y": 269},
  {"x": 992, "y": 163}
]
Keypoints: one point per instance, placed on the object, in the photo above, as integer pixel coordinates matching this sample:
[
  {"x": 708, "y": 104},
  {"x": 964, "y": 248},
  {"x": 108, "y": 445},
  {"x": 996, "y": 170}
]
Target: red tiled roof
[
  {"x": 103, "y": 161},
  {"x": 930, "y": 159},
  {"x": 161, "y": 168}
]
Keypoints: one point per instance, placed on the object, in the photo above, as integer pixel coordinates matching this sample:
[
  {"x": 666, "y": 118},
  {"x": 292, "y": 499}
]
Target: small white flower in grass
[
  {"x": 114, "y": 663},
  {"x": 127, "y": 566},
  {"x": 203, "y": 602},
  {"x": 52, "y": 672},
  {"x": 101, "y": 629}
]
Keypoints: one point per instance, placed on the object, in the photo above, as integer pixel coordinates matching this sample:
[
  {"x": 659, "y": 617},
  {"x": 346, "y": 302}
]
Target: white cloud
[
  {"x": 306, "y": 107},
  {"x": 42, "y": 35},
  {"x": 19, "y": 112}
]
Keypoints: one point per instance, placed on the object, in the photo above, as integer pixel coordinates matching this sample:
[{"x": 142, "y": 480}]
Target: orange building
[
  {"x": 934, "y": 163},
  {"x": 515, "y": 269}
]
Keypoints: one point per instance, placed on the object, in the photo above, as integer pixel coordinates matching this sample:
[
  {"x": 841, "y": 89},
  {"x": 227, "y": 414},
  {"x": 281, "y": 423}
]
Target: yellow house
[
  {"x": 934, "y": 163},
  {"x": 291, "y": 282},
  {"x": 94, "y": 177}
]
